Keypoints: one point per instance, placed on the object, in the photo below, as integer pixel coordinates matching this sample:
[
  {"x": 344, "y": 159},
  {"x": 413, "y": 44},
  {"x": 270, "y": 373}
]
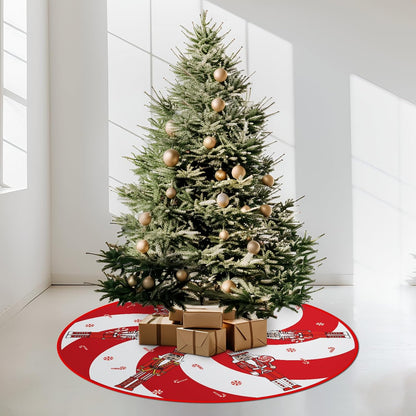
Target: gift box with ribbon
[
  {"x": 205, "y": 342},
  {"x": 244, "y": 334},
  {"x": 157, "y": 330}
]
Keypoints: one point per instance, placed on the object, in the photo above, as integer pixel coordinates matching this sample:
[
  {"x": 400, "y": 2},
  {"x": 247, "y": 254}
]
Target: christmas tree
[{"x": 205, "y": 224}]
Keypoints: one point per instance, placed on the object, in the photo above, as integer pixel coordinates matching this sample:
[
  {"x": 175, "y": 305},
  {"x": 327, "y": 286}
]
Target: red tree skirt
[{"x": 305, "y": 348}]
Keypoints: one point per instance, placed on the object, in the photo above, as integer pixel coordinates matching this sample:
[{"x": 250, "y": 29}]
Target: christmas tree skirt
[{"x": 305, "y": 348}]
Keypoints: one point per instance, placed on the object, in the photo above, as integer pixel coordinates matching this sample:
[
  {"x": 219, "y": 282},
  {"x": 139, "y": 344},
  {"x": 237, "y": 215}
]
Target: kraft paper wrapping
[
  {"x": 244, "y": 334},
  {"x": 202, "y": 318},
  {"x": 157, "y": 330},
  {"x": 176, "y": 315},
  {"x": 205, "y": 342}
]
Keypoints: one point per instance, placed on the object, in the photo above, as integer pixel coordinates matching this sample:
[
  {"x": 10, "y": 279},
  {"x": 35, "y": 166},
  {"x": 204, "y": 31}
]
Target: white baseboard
[
  {"x": 68, "y": 279},
  {"x": 334, "y": 279},
  {"x": 12, "y": 310}
]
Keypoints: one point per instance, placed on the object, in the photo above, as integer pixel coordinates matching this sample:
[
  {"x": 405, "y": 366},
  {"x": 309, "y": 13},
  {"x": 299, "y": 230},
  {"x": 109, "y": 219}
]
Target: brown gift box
[
  {"x": 202, "y": 318},
  {"x": 206, "y": 342},
  {"x": 176, "y": 315},
  {"x": 228, "y": 315},
  {"x": 243, "y": 334},
  {"x": 157, "y": 330}
]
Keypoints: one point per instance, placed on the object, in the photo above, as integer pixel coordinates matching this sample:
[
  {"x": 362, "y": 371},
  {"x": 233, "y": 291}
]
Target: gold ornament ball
[
  {"x": 227, "y": 286},
  {"x": 238, "y": 172},
  {"x": 171, "y": 193},
  {"x": 266, "y": 210},
  {"x": 142, "y": 246},
  {"x": 210, "y": 142},
  {"x": 131, "y": 280},
  {"x": 218, "y": 104},
  {"x": 253, "y": 247},
  {"x": 148, "y": 282},
  {"x": 171, "y": 157},
  {"x": 245, "y": 208},
  {"x": 223, "y": 200},
  {"x": 220, "y": 175},
  {"x": 220, "y": 75},
  {"x": 224, "y": 235},
  {"x": 170, "y": 128},
  {"x": 145, "y": 218},
  {"x": 267, "y": 180},
  {"x": 182, "y": 275}
]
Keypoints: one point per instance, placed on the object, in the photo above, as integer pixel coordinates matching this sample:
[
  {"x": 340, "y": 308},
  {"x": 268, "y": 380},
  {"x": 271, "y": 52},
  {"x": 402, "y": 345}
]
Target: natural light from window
[
  {"x": 383, "y": 132},
  {"x": 13, "y": 146}
]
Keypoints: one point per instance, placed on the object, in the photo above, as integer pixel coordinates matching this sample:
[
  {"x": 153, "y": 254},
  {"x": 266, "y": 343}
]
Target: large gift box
[
  {"x": 157, "y": 330},
  {"x": 244, "y": 334},
  {"x": 206, "y": 342},
  {"x": 176, "y": 315}
]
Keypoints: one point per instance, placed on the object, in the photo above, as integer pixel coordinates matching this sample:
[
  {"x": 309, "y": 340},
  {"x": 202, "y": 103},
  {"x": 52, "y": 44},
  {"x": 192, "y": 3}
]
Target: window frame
[{"x": 22, "y": 100}]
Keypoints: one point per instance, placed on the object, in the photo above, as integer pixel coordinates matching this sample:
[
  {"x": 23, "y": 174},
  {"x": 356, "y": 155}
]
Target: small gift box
[
  {"x": 202, "y": 318},
  {"x": 157, "y": 330},
  {"x": 205, "y": 342},
  {"x": 244, "y": 334},
  {"x": 230, "y": 315},
  {"x": 176, "y": 315}
]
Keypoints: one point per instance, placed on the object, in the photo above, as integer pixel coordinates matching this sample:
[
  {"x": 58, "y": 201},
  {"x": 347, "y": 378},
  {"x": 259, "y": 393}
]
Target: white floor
[{"x": 382, "y": 380}]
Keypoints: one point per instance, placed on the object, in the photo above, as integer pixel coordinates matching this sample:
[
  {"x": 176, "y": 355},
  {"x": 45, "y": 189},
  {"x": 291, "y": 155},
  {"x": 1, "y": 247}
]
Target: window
[{"x": 13, "y": 103}]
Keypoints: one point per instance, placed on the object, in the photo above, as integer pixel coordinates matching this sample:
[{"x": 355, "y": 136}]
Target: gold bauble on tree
[
  {"x": 131, "y": 280},
  {"x": 227, "y": 286},
  {"x": 245, "y": 208},
  {"x": 171, "y": 157},
  {"x": 224, "y": 235},
  {"x": 267, "y": 180},
  {"x": 142, "y": 246},
  {"x": 253, "y": 247},
  {"x": 148, "y": 282},
  {"x": 210, "y": 142},
  {"x": 171, "y": 193},
  {"x": 145, "y": 218},
  {"x": 238, "y": 172},
  {"x": 182, "y": 275},
  {"x": 170, "y": 128},
  {"x": 223, "y": 200},
  {"x": 266, "y": 210},
  {"x": 220, "y": 75},
  {"x": 220, "y": 175},
  {"x": 218, "y": 104}
]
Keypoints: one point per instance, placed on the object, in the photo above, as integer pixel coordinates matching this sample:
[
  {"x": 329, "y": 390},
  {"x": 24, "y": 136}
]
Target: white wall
[
  {"x": 79, "y": 137},
  {"x": 24, "y": 214},
  {"x": 331, "y": 41},
  {"x": 327, "y": 41}
]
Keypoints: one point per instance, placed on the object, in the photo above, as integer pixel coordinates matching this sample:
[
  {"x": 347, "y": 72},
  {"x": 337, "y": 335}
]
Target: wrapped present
[
  {"x": 202, "y": 318},
  {"x": 244, "y": 334},
  {"x": 230, "y": 315},
  {"x": 157, "y": 330},
  {"x": 176, "y": 315},
  {"x": 205, "y": 342}
]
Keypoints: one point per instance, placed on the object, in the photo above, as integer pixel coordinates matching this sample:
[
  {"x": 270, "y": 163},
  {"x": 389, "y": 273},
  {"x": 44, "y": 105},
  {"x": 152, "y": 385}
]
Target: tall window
[{"x": 13, "y": 103}]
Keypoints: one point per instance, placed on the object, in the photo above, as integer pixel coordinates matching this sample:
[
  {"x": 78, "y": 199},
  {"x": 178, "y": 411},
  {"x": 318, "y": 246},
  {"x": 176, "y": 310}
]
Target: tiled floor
[{"x": 382, "y": 380}]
